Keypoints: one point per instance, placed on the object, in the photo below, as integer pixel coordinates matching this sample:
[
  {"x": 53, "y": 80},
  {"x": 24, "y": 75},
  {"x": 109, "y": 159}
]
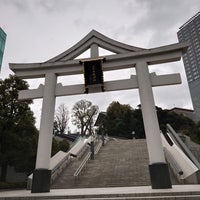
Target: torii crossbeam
[{"x": 126, "y": 57}]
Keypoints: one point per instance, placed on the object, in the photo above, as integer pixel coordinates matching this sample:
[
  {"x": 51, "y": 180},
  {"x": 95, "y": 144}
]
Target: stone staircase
[
  {"x": 119, "y": 163},
  {"x": 119, "y": 171}
]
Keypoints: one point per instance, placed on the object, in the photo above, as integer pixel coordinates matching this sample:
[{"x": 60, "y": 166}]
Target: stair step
[
  {"x": 118, "y": 163},
  {"x": 188, "y": 197}
]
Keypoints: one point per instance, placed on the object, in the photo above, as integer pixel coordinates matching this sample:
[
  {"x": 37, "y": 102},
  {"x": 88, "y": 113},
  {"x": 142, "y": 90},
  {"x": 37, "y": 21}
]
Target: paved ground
[{"x": 188, "y": 190}]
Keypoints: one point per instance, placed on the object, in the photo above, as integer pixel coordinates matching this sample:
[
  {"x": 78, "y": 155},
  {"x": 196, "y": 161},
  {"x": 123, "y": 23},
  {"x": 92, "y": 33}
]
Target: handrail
[
  {"x": 98, "y": 147},
  {"x": 78, "y": 147},
  {"x": 74, "y": 143},
  {"x": 82, "y": 165},
  {"x": 175, "y": 166},
  {"x": 181, "y": 165},
  {"x": 85, "y": 161},
  {"x": 57, "y": 163},
  {"x": 57, "y": 167},
  {"x": 182, "y": 145},
  {"x": 67, "y": 158}
]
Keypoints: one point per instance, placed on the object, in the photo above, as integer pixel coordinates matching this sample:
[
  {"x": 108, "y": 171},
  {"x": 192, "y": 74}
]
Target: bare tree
[
  {"x": 61, "y": 119},
  {"x": 83, "y": 113}
]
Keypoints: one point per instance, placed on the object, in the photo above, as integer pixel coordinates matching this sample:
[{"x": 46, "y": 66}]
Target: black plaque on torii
[{"x": 93, "y": 74}]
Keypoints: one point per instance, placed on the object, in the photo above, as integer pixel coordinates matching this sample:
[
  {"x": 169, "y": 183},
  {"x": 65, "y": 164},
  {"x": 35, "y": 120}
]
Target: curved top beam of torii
[
  {"x": 101, "y": 40},
  {"x": 126, "y": 56}
]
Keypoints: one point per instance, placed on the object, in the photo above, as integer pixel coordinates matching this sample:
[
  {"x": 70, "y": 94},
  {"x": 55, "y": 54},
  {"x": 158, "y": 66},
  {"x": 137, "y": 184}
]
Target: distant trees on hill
[
  {"x": 123, "y": 121},
  {"x": 180, "y": 123}
]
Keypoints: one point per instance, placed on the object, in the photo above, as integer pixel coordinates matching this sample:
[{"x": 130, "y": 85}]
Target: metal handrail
[
  {"x": 82, "y": 165},
  {"x": 57, "y": 169},
  {"x": 85, "y": 161},
  {"x": 98, "y": 147}
]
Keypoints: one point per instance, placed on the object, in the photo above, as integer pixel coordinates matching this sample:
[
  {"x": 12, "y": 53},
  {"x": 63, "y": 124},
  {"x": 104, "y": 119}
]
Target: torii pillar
[
  {"x": 126, "y": 57},
  {"x": 159, "y": 173},
  {"x": 42, "y": 174}
]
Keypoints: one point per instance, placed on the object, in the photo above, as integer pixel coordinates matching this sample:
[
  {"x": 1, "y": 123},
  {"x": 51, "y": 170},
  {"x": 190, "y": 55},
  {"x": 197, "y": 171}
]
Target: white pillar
[
  {"x": 46, "y": 124},
  {"x": 152, "y": 130}
]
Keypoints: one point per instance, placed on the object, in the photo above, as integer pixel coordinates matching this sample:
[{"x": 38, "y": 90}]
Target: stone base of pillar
[
  {"x": 41, "y": 181},
  {"x": 159, "y": 175}
]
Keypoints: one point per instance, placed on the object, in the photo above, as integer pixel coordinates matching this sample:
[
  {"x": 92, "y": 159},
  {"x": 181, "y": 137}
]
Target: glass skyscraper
[
  {"x": 190, "y": 31},
  {"x": 2, "y": 45}
]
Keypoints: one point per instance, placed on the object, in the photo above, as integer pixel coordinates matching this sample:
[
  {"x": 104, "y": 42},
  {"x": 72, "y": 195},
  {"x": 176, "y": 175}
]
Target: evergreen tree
[
  {"x": 18, "y": 134},
  {"x": 120, "y": 120}
]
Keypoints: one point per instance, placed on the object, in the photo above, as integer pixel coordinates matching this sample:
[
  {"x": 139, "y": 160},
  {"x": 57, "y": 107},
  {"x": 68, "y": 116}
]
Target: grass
[{"x": 12, "y": 185}]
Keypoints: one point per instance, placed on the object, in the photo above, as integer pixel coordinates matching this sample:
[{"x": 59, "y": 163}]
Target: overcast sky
[{"x": 38, "y": 30}]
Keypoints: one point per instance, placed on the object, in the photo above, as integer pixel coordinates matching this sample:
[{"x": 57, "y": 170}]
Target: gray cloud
[
  {"x": 41, "y": 29},
  {"x": 15, "y": 3},
  {"x": 163, "y": 18}
]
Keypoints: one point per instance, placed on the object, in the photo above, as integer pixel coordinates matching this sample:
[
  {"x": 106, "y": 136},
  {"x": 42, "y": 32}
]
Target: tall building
[
  {"x": 190, "y": 31},
  {"x": 2, "y": 45}
]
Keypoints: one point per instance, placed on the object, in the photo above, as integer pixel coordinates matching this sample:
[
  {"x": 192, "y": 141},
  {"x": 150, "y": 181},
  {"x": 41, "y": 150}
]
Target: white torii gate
[{"x": 126, "y": 57}]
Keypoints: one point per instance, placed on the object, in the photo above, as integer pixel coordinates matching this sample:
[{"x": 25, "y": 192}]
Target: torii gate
[{"x": 126, "y": 57}]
